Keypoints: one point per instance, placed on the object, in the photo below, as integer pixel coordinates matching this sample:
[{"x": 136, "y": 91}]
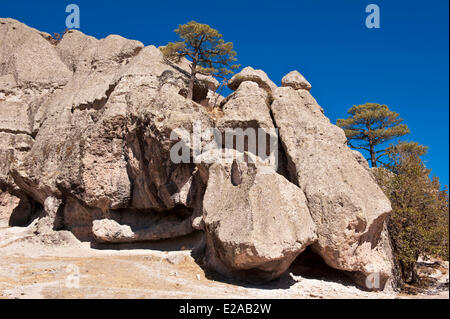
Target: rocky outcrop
[
  {"x": 140, "y": 227},
  {"x": 249, "y": 74},
  {"x": 258, "y": 225},
  {"x": 296, "y": 81},
  {"x": 346, "y": 205},
  {"x": 362, "y": 161},
  {"x": 104, "y": 139},
  {"x": 247, "y": 107},
  {"x": 86, "y": 145},
  {"x": 29, "y": 57},
  {"x": 7, "y": 203}
]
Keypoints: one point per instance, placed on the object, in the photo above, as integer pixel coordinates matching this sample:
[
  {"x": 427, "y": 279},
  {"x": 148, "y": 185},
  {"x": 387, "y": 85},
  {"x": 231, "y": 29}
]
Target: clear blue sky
[{"x": 404, "y": 64}]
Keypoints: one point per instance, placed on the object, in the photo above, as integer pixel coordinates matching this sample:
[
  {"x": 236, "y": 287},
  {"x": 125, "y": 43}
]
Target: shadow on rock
[
  {"x": 188, "y": 242},
  {"x": 198, "y": 254}
]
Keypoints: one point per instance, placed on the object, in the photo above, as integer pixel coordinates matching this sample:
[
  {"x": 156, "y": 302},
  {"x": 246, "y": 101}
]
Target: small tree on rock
[
  {"x": 371, "y": 125},
  {"x": 208, "y": 53}
]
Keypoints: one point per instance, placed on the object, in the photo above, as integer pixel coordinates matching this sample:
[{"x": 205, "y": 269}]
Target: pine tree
[
  {"x": 208, "y": 53},
  {"x": 403, "y": 151},
  {"x": 418, "y": 223},
  {"x": 369, "y": 126}
]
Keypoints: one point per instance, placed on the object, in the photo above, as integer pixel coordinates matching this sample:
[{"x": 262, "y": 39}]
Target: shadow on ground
[
  {"x": 188, "y": 242},
  {"x": 307, "y": 265}
]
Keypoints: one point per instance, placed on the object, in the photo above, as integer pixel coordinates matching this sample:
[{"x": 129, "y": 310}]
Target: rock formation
[
  {"x": 346, "y": 205},
  {"x": 258, "y": 226},
  {"x": 86, "y": 133},
  {"x": 295, "y": 80},
  {"x": 249, "y": 74}
]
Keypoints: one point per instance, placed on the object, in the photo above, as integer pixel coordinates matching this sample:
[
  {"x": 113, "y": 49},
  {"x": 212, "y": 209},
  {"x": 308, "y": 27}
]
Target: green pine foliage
[
  {"x": 369, "y": 126},
  {"x": 418, "y": 224},
  {"x": 204, "y": 47}
]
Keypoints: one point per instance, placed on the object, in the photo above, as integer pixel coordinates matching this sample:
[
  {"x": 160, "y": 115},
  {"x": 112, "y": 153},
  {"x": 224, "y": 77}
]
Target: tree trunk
[
  {"x": 372, "y": 155},
  {"x": 192, "y": 79},
  {"x": 191, "y": 86}
]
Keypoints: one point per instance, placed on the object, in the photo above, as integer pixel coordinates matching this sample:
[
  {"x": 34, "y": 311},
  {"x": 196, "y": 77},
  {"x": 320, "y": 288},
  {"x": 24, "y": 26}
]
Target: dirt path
[{"x": 30, "y": 269}]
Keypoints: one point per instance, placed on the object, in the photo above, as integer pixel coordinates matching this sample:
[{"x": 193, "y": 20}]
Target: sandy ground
[{"x": 38, "y": 269}]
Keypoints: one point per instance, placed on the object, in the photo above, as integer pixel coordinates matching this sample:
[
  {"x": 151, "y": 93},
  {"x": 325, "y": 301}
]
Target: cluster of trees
[{"x": 418, "y": 224}]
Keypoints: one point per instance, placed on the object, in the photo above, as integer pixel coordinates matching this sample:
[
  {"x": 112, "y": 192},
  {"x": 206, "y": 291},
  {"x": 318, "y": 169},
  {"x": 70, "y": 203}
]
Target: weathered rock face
[
  {"x": 86, "y": 133},
  {"x": 103, "y": 140},
  {"x": 249, "y": 74},
  {"x": 247, "y": 107},
  {"x": 29, "y": 57},
  {"x": 13, "y": 147},
  {"x": 15, "y": 211},
  {"x": 295, "y": 80},
  {"x": 258, "y": 225},
  {"x": 7, "y": 203},
  {"x": 347, "y": 206}
]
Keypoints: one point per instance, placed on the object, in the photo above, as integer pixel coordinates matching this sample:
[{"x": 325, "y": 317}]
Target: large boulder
[
  {"x": 7, "y": 203},
  {"x": 29, "y": 56},
  {"x": 140, "y": 227},
  {"x": 295, "y": 80},
  {"x": 256, "y": 221},
  {"x": 210, "y": 81},
  {"x": 15, "y": 210},
  {"x": 101, "y": 139},
  {"x": 249, "y": 74},
  {"x": 346, "y": 204},
  {"x": 247, "y": 107}
]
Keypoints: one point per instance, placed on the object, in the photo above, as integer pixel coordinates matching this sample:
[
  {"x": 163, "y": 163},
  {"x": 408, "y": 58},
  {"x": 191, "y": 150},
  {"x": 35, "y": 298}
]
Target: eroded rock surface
[
  {"x": 258, "y": 225},
  {"x": 295, "y": 80},
  {"x": 7, "y": 203},
  {"x": 86, "y": 132},
  {"x": 347, "y": 206},
  {"x": 249, "y": 74}
]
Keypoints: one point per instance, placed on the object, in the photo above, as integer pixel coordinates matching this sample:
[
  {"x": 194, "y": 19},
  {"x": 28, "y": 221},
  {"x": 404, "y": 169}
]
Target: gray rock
[
  {"x": 7, "y": 204},
  {"x": 295, "y": 80},
  {"x": 361, "y": 160},
  {"x": 255, "y": 229},
  {"x": 346, "y": 204},
  {"x": 247, "y": 107},
  {"x": 27, "y": 55},
  {"x": 250, "y": 74},
  {"x": 85, "y": 142}
]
